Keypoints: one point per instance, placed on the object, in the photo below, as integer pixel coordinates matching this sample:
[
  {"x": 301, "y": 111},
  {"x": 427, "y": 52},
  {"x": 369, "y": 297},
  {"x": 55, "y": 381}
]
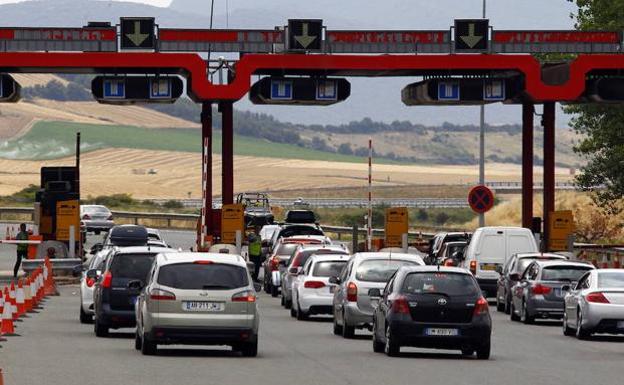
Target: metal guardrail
[
  {"x": 341, "y": 202},
  {"x": 64, "y": 264}
]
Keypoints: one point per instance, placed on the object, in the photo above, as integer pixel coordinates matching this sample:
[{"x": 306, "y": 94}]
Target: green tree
[{"x": 602, "y": 143}]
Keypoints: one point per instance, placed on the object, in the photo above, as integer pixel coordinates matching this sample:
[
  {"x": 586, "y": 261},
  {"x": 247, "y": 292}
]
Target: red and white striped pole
[{"x": 369, "y": 226}]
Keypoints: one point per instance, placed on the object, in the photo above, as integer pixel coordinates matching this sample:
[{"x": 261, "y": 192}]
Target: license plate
[
  {"x": 202, "y": 306},
  {"x": 441, "y": 332},
  {"x": 620, "y": 325},
  {"x": 488, "y": 266}
]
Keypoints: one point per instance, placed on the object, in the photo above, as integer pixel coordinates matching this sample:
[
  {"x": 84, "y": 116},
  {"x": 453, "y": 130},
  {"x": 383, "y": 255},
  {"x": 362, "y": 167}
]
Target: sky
[{"x": 158, "y": 3}]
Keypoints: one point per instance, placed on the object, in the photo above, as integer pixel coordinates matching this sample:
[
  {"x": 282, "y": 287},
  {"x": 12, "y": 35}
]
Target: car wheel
[
  {"x": 507, "y": 305},
  {"x": 567, "y": 330},
  {"x": 483, "y": 352},
  {"x": 301, "y": 316},
  {"x": 499, "y": 306},
  {"x": 84, "y": 317},
  {"x": 392, "y": 347},
  {"x": 96, "y": 232},
  {"x": 378, "y": 347},
  {"x": 148, "y": 348},
  {"x": 275, "y": 293},
  {"x": 249, "y": 349},
  {"x": 292, "y": 312},
  {"x": 287, "y": 303},
  {"x": 337, "y": 328},
  {"x": 347, "y": 331},
  {"x": 282, "y": 302},
  {"x": 524, "y": 315},
  {"x": 581, "y": 333},
  {"x": 100, "y": 330},
  {"x": 512, "y": 313},
  {"x": 138, "y": 343}
]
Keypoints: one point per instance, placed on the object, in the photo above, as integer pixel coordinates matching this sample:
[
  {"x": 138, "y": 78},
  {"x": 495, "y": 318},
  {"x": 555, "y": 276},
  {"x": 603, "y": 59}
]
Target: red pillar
[
  {"x": 227, "y": 152},
  {"x": 527, "y": 165},
  {"x": 206, "y": 121},
  {"x": 549, "y": 167}
]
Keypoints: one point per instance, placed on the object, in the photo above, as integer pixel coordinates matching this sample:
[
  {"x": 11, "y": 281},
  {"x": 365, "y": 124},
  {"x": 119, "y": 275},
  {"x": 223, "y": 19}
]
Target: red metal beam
[{"x": 194, "y": 67}]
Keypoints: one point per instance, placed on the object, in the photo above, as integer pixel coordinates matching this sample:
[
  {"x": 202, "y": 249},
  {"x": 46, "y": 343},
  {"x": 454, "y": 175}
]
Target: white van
[{"x": 490, "y": 247}]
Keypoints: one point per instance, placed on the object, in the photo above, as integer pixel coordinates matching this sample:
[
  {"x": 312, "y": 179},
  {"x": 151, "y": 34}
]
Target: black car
[
  {"x": 432, "y": 307},
  {"x": 113, "y": 301},
  {"x": 300, "y": 216}
]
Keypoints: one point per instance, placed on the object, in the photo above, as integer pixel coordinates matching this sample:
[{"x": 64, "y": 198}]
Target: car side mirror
[
  {"x": 499, "y": 269},
  {"x": 334, "y": 280},
  {"x": 566, "y": 288},
  {"x": 374, "y": 293},
  {"x": 514, "y": 277},
  {"x": 294, "y": 270},
  {"x": 96, "y": 248},
  {"x": 77, "y": 270},
  {"x": 257, "y": 286},
  {"x": 135, "y": 287},
  {"x": 93, "y": 274}
]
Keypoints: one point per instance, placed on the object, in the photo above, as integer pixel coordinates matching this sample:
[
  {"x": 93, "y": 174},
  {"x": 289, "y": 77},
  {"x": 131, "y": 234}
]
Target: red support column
[
  {"x": 206, "y": 121},
  {"x": 227, "y": 152},
  {"x": 527, "y": 164},
  {"x": 549, "y": 167}
]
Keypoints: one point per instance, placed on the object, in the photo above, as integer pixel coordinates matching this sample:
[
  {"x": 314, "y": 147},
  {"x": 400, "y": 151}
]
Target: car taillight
[
  {"x": 351, "y": 292},
  {"x": 162, "y": 295},
  {"x": 597, "y": 298},
  {"x": 481, "y": 307},
  {"x": 275, "y": 263},
  {"x": 203, "y": 262},
  {"x": 400, "y": 305},
  {"x": 90, "y": 282},
  {"x": 244, "y": 296},
  {"x": 314, "y": 285},
  {"x": 86, "y": 216},
  {"x": 107, "y": 279},
  {"x": 473, "y": 267},
  {"x": 541, "y": 289}
]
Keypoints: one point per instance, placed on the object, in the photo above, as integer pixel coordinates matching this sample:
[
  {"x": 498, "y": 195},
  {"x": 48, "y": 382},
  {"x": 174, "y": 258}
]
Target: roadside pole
[
  {"x": 482, "y": 145},
  {"x": 369, "y": 225}
]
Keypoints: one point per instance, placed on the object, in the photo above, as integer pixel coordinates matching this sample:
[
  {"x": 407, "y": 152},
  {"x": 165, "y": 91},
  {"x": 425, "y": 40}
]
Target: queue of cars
[{"x": 173, "y": 297}]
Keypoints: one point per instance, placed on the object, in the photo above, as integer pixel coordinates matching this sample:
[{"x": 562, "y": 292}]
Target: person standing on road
[
  {"x": 22, "y": 248},
  {"x": 255, "y": 253}
]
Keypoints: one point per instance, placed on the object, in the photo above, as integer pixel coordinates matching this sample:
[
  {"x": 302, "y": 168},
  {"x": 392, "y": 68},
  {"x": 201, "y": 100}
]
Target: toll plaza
[{"x": 305, "y": 62}]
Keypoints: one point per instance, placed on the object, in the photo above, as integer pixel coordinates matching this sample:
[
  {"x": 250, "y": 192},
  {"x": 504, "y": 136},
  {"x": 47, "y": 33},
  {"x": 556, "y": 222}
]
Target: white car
[
  {"x": 311, "y": 291},
  {"x": 87, "y": 285}
]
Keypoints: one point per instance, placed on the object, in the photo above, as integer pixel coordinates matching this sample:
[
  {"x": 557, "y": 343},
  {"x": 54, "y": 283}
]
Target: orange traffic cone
[
  {"x": 28, "y": 303},
  {"x": 13, "y": 302},
  {"x": 50, "y": 285},
  {"x": 7, "y": 328},
  {"x": 20, "y": 299}
]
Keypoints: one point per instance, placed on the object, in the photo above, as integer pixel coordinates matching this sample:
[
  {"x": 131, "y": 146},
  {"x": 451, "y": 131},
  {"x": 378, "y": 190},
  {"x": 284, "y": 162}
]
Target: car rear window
[
  {"x": 525, "y": 262},
  {"x": 286, "y": 248},
  {"x": 328, "y": 268},
  {"x": 132, "y": 266},
  {"x": 611, "y": 280},
  {"x": 96, "y": 210},
  {"x": 300, "y": 230},
  {"x": 193, "y": 276},
  {"x": 451, "y": 284},
  {"x": 379, "y": 270},
  {"x": 302, "y": 257},
  {"x": 564, "y": 273}
]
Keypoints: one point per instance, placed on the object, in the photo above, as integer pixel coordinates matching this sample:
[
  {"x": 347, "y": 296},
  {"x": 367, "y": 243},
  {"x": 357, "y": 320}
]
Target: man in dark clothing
[{"x": 22, "y": 249}]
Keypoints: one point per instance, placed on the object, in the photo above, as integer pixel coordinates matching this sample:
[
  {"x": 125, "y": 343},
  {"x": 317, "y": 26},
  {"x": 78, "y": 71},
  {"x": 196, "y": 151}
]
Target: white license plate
[
  {"x": 441, "y": 332},
  {"x": 202, "y": 306},
  {"x": 488, "y": 266},
  {"x": 620, "y": 325}
]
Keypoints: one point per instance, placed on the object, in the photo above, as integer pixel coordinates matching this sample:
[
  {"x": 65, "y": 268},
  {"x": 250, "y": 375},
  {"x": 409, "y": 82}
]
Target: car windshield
[
  {"x": 132, "y": 266},
  {"x": 328, "y": 268},
  {"x": 564, "y": 273},
  {"x": 96, "y": 209},
  {"x": 379, "y": 270},
  {"x": 611, "y": 280},
  {"x": 451, "y": 284},
  {"x": 286, "y": 249},
  {"x": 193, "y": 276}
]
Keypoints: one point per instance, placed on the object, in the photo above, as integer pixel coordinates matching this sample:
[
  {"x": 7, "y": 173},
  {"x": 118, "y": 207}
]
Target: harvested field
[{"x": 111, "y": 171}]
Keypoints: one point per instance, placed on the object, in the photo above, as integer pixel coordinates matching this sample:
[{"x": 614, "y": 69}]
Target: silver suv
[
  {"x": 353, "y": 307},
  {"x": 197, "y": 299}
]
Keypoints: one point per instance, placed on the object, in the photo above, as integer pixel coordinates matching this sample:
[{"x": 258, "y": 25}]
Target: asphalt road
[{"x": 55, "y": 349}]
